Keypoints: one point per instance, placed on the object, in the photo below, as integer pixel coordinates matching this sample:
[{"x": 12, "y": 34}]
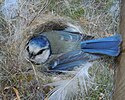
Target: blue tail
[{"x": 109, "y": 45}]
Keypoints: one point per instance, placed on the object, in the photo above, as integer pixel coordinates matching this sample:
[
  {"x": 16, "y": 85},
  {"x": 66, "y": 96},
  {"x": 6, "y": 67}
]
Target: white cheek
[
  {"x": 34, "y": 49},
  {"x": 42, "y": 57}
]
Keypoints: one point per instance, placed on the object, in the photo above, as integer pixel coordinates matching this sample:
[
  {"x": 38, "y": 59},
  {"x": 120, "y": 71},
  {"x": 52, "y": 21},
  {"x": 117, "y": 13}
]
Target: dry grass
[{"x": 19, "y": 78}]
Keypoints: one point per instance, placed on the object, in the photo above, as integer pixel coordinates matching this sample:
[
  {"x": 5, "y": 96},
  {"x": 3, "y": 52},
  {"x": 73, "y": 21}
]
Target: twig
[
  {"x": 33, "y": 69},
  {"x": 46, "y": 4}
]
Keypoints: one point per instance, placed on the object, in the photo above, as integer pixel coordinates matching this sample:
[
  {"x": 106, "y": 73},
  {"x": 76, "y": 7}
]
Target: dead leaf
[{"x": 17, "y": 93}]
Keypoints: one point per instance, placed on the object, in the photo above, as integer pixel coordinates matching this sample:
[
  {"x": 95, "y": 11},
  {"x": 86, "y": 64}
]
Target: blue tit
[
  {"x": 38, "y": 49},
  {"x": 70, "y": 48}
]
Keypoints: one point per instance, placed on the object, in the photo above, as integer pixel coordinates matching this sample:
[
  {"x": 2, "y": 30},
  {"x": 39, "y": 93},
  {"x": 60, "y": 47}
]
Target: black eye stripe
[
  {"x": 40, "y": 52},
  {"x": 32, "y": 55}
]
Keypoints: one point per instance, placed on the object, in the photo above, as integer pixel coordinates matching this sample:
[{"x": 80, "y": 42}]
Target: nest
[
  {"x": 19, "y": 68},
  {"x": 22, "y": 79}
]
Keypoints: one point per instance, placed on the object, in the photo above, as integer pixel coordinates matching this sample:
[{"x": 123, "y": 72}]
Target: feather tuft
[{"x": 73, "y": 87}]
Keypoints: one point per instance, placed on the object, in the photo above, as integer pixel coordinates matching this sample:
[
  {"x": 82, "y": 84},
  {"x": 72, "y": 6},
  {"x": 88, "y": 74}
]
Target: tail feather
[{"x": 109, "y": 45}]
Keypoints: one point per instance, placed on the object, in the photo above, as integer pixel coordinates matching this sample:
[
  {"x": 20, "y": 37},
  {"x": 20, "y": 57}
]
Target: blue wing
[
  {"x": 72, "y": 59},
  {"x": 109, "y": 45},
  {"x": 73, "y": 34},
  {"x": 65, "y": 40}
]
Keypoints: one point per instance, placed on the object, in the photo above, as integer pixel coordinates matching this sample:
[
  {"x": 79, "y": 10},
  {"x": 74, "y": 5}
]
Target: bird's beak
[{"x": 31, "y": 56}]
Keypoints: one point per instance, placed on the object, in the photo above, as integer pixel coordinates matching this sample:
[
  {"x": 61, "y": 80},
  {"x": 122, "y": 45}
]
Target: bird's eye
[{"x": 40, "y": 52}]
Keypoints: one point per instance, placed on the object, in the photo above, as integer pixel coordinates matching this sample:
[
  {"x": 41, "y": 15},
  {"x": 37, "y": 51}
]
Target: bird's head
[{"x": 38, "y": 49}]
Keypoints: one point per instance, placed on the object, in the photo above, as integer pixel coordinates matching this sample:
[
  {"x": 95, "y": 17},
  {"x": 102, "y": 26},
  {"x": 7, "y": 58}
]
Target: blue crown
[{"x": 40, "y": 41}]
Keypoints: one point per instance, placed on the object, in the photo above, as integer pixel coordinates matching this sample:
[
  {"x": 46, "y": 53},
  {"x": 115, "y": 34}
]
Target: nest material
[
  {"x": 22, "y": 69},
  {"x": 15, "y": 62},
  {"x": 28, "y": 79}
]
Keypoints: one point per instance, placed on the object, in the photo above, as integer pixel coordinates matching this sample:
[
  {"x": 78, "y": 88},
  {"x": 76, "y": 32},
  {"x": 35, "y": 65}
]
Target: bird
[{"x": 66, "y": 48}]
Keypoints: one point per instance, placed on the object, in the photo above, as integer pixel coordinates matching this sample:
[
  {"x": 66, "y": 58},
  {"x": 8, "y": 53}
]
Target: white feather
[
  {"x": 68, "y": 89},
  {"x": 10, "y": 8}
]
